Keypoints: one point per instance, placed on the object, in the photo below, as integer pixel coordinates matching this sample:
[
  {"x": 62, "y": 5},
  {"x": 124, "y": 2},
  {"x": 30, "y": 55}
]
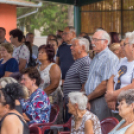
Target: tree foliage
[{"x": 49, "y": 18}]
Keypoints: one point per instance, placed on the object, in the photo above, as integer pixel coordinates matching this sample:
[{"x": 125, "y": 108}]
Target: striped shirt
[
  {"x": 101, "y": 68},
  {"x": 76, "y": 76}
]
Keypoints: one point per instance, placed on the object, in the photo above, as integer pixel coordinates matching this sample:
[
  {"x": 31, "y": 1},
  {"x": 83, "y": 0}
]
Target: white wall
[{"x": 40, "y": 40}]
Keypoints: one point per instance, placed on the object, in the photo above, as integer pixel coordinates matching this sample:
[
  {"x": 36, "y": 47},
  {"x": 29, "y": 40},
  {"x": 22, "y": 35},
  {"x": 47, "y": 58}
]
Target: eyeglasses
[
  {"x": 65, "y": 33},
  {"x": 95, "y": 39},
  {"x": 125, "y": 44}
]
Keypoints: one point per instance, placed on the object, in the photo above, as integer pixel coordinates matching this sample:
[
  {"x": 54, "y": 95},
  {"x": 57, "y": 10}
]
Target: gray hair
[
  {"x": 83, "y": 41},
  {"x": 130, "y": 36},
  {"x": 106, "y": 36},
  {"x": 7, "y": 80},
  {"x": 127, "y": 95},
  {"x": 78, "y": 98},
  {"x": 72, "y": 29}
]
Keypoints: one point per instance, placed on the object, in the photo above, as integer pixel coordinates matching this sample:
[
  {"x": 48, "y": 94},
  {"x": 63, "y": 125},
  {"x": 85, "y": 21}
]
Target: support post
[
  {"x": 122, "y": 19},
  {"x": 77, "y": 19}
]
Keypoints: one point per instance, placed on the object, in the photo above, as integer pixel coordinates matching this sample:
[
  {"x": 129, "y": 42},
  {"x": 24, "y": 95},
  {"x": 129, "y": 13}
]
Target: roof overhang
[
  {"x": 73, "y": 2},
  {"x": 20, "y": 3}
]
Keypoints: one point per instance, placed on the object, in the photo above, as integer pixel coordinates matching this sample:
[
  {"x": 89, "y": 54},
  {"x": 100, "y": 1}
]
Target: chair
[
  {"x": 58, "y": 127},
  {"x": 108, "y": 124},
  {"x": 53, "y": 117},
  {"x": 35, "y": 130}
]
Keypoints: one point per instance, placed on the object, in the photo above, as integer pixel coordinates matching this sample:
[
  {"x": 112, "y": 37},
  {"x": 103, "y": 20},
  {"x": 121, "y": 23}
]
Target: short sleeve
[
  {"x": 58, "y": 52},
  {"x": 108, "y": 69},
  {"x": 12, "y": 65},
  {"x": 84, "y": 71},
  {"x": 24, "y": 53}
]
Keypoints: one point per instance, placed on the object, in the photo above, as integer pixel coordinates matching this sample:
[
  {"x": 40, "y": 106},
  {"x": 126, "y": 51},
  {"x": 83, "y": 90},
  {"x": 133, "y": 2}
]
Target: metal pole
[
  {"x": 77, "y": 19},
  {"x": 122, "y": 19}
]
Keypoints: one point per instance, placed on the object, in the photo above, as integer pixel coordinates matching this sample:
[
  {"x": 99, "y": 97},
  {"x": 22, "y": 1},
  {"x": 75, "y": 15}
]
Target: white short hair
[
  {"x": 7, "y": 80},
  {"x": 105, "y": 36},
  {"x": 83, "y": 41},
  {"x": 78, "y": 98},
  {"x": 130, "y": 36}
]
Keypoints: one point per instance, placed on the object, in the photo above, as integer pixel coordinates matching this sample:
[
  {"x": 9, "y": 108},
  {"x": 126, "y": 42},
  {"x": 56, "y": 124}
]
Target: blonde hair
[
  {"x": 114, "y": 46},
  {"x": 7, "y": 80},
  {"x": 8, "y": 47}
]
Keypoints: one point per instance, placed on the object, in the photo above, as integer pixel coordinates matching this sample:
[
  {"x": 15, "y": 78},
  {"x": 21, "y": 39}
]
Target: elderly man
[
  {"x": 2, "y": 35},
  {"x": 64, "y": 57},
  {"x": 77, "y": 74},
  {"x": 101, "y": 69},
  {"x": 30, "y": 38}
]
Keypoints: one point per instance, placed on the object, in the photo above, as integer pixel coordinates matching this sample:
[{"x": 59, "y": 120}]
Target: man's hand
[
  {"x": 88, "y": 106},
  {"x": 112, "y": 105}
]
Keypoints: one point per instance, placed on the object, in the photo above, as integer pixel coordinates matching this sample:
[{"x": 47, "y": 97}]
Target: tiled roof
[{"x": 23, "y": 3}]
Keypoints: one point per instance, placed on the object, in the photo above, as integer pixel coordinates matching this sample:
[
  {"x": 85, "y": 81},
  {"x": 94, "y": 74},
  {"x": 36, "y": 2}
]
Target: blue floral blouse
[{"x": 37, "y": 107}]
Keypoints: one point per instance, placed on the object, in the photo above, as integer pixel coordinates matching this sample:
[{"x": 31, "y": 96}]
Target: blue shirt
[
  {"x": 10, "y": 66},
  {"x": 101, "y": 68},
  {"x": 66, "y": 58}
]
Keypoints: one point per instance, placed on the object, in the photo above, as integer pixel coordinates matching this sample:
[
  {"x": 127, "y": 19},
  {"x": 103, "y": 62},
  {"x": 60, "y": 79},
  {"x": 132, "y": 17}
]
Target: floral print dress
[
  {"x": 87, "y": 116},
  {"x": 37, "y": 107}
]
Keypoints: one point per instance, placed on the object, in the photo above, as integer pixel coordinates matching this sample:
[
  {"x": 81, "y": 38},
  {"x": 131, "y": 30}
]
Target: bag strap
[{"x": 19, "y": 53}]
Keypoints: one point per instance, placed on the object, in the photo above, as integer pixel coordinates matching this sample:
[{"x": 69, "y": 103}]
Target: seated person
[
  {"x": 83, "y": 121},
  {"x": 12, "y": 122},
  {"x": 7, "y": 80},
  {"x": 8, "y": 65},
  {"x": 37, "y": 107},
  {"x": 126, "y": 111}
]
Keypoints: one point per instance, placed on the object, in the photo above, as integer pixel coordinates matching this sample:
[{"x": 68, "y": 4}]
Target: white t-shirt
[
  {"x": 21, "y": 52},
  {"x": 124, "y": 74}
]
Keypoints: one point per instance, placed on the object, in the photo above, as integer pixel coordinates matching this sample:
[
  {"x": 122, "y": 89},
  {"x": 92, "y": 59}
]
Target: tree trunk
[{"x": 71, "y": 15}]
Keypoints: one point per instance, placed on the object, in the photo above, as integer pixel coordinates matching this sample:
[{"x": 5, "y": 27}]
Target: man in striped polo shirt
[{"x": 77, "y": 74}]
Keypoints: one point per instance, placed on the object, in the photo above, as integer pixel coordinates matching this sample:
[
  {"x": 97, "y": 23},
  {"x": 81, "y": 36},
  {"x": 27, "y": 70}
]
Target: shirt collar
[{"x": 99, "y": 55}]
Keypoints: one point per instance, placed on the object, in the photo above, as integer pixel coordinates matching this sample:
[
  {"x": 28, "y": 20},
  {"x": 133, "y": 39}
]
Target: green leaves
[{"x": 49, "y": 18}]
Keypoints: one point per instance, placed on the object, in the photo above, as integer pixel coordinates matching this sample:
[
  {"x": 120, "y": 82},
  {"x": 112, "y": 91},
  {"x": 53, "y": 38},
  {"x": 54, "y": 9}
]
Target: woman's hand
[
  {"x": 109, "y": 96},
  {"x": 25, "y": 117}
]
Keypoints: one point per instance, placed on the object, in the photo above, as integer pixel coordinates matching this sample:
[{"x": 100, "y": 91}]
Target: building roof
[
  {"x": 20, "y": 3},
  {"x": 74, "y": 2}
]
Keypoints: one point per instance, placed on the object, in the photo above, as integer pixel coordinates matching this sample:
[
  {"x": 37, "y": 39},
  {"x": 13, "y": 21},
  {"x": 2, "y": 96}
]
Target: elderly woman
[
  {"x": 12, "y": 122},
  {"x": 8, "y": 64},
  {"x": 123, "y": 77},
  {"x": 83, "y": 121},
  {"x": 126, "y": 111},
  {"x": 37, "y": 107},
  {"x": 51, "y": 76}
]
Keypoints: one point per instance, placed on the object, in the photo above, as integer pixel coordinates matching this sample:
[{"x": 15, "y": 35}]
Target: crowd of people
[{"x": 90, "y": 78}]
